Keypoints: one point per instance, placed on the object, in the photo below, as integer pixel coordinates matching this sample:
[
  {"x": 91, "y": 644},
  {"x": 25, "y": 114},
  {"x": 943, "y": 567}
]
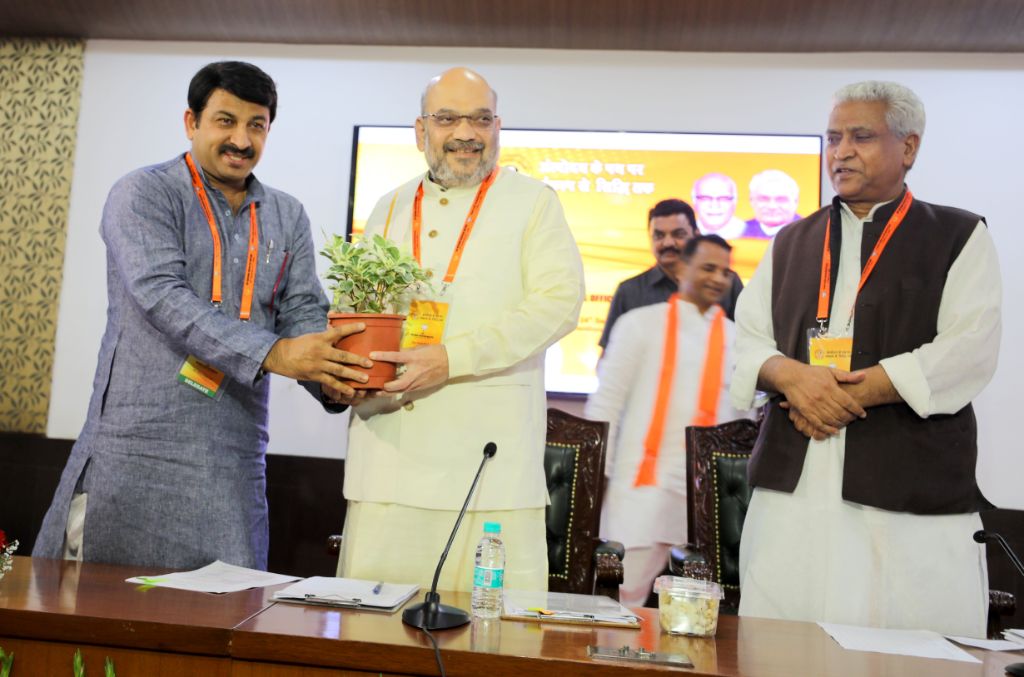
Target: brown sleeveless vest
[{"x": 895, "y": 460}]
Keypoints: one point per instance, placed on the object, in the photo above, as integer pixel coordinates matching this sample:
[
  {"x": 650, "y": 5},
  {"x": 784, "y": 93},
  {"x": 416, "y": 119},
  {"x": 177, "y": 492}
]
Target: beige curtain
[{"x": 40, "y": 88}]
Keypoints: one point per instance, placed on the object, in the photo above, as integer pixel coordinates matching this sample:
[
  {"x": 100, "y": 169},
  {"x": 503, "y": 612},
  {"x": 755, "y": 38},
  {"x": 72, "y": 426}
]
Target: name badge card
[
  {"x": 823, "y": 350},
  {"x": 201, "y": 376},
  {"x": 425, "y": 323}
]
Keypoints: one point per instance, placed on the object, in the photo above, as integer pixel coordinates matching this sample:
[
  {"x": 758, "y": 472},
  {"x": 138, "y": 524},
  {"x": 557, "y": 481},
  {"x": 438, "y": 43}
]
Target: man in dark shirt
[{"x": 670, "y": 223}]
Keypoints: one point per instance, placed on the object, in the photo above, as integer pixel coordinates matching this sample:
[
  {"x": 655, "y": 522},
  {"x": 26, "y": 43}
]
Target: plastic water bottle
[{"x": 489, "y": 574}]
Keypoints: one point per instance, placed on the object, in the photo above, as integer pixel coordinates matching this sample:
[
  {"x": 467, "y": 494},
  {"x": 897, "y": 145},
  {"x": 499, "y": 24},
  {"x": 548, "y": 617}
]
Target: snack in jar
[{"x": 687, "y": 606}]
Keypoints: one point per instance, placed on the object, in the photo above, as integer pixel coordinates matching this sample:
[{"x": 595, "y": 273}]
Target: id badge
[
  {"x": 425, "y": 323},
  {"x": 829, "y": 351},
  {"x": 201, "y": 376}
]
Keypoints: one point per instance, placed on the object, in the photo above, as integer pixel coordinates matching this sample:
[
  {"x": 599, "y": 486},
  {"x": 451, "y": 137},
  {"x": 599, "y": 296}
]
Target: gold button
[
  {"x": 432, "y": 233},
  {"x": 444, "y": 201},
  {"x": 408, "y": 406}
]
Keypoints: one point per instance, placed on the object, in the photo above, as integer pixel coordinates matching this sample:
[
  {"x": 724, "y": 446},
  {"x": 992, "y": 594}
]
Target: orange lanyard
[
  {"x": 707, "y": 400},
  {"x": 467, "y": 227},
  {"x": 825, "y": 287},
  {"x": 251, "y": 259}
]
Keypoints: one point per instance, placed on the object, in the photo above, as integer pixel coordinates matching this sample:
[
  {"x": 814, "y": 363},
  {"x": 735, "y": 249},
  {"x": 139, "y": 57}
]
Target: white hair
[
  {"x": 904, "y": 112},
  {"x": 770, "y": 175}
]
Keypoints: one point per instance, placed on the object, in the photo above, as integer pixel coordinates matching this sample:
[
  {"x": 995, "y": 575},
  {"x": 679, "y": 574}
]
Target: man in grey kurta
[{"x": 168, "y": 475}]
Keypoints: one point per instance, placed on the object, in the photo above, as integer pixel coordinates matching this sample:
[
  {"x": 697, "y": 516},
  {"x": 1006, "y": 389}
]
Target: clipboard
[
  {"x": 348, "y": 593},
  {"x": 568, "y": 608}
]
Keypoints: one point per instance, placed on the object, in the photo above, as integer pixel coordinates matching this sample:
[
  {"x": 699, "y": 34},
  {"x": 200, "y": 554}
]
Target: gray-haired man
[{"x": 865, "y": 496}]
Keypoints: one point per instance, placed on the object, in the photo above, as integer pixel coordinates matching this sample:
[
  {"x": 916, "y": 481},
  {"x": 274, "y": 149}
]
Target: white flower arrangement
[{"x": 6, "y": 553}]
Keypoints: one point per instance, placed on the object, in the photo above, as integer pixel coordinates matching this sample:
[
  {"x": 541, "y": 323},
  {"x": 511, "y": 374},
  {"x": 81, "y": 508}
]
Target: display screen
[{"x": 744, "y": 187}]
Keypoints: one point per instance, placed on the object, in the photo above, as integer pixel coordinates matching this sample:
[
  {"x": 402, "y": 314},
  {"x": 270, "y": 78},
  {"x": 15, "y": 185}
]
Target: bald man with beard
[{"x": 508, "y": 272}]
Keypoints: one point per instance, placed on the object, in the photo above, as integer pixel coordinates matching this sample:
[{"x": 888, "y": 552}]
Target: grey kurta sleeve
[{"x": 143, "y": 228}]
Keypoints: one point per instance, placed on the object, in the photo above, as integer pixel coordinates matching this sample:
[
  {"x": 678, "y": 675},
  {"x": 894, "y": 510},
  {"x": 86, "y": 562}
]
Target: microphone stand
[
  {"x": 430, "y": 614},
  {"x": 992, "y": 537}
]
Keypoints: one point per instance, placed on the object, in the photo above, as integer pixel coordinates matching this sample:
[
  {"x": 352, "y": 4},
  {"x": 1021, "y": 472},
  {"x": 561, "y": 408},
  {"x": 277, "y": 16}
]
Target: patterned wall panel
[{"x": 40, "y": 88}]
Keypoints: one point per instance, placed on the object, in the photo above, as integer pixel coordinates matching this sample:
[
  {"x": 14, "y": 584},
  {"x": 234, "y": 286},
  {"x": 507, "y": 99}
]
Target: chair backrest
[
  {"x": 718, "y": 495},
  {"x": 574, "y": 467}
]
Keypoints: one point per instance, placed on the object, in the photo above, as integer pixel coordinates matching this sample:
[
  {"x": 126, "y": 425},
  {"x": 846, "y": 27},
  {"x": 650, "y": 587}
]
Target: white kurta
[
  {"x": 629, "y": 373},
  {"x": 812, "y": 556},
  {"x": 411, "y": 459},
  {"x": 518, "y": 289}
]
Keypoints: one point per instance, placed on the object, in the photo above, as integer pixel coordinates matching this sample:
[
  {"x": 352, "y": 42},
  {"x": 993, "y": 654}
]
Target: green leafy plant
[
  {"x": 6, "y": 661},
  {"x": 371, "y": 275},
  {"x": 78, "y": 666}
]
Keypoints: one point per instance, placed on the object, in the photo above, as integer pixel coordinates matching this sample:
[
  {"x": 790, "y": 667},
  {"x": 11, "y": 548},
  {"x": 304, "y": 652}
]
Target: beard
[{"x": 448, "y": 174}]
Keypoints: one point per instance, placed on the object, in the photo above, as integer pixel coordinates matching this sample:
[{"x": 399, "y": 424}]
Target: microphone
[
  {"x": 430, "y": 614},
  {"x": 983, "y": 536}
]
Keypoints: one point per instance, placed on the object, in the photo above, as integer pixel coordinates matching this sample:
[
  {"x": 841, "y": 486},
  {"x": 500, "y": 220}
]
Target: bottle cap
[{"x": 492, "y": 528}]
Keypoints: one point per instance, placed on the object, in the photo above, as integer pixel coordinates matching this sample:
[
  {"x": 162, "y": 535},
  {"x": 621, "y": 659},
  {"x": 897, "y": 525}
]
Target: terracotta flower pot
[{"x": 383, "y": 332}]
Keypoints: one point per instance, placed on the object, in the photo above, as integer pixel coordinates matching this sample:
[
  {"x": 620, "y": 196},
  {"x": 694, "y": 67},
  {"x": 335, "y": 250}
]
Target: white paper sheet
[
  {"x": 988, "y": 644},
  {"x": 920, "y": 643},
  {"x": 217, "y": 577}
]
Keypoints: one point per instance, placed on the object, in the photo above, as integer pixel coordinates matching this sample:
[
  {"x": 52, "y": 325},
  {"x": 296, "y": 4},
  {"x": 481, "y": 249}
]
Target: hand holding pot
[
  {"x": 313, "y": 357},
  {"x": 335, "y": 396},
  {"x": 425, "y": 367}
]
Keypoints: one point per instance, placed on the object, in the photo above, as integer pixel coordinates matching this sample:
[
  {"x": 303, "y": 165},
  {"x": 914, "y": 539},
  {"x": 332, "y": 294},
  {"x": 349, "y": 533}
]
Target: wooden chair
[
  {"x": 578, "y": 560},
  {"x": 717, "y": 496}
]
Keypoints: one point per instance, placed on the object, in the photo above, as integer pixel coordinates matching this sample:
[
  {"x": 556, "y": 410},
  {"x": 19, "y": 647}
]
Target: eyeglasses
[
  {"x": 720, "y": 199},
  {"x": 478, "y": 120}
]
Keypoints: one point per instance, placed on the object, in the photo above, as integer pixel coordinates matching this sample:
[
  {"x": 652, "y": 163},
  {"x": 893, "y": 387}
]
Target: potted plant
[{"x": 370, "y": 281}]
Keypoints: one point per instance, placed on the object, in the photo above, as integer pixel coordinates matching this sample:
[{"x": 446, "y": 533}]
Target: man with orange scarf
[{"x": 667, "y": 366}]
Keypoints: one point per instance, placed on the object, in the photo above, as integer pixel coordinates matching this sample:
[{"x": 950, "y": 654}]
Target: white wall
[{"x": 134, "y": 96}]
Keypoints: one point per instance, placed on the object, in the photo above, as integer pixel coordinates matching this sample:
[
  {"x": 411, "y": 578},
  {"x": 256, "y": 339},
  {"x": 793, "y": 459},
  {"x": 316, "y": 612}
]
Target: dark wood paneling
[
  {"x": 1001, "y": 573},
  {"x": 306, "y": 506},
  {"x": 30, "y": 467},
  {"x": 55, "y": 658},
  {"x": 671, "y": 25},
  {"x": 303, "y": 494}
]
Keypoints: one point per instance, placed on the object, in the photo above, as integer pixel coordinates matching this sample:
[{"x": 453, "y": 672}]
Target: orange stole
[{"x": 710, "y": 388}]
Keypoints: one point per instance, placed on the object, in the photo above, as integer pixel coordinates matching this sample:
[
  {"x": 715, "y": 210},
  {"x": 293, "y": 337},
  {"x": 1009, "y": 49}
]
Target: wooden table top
[
  {"x": 58, "y": 600},
  {"x": 53, "y": 600},
  {"x": 743, "y": 646}
]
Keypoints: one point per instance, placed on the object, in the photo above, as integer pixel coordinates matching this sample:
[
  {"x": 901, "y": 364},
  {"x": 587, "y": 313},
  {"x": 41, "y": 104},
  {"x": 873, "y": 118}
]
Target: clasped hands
[{"x": 820, "y": 400}]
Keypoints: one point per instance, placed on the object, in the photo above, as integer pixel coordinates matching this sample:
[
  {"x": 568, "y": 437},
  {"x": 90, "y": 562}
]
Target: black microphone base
[{"x": 432, "y": 615}]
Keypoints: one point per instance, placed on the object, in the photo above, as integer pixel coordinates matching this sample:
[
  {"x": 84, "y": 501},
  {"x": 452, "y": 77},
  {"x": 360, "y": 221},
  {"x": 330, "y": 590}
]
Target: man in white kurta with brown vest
[
  {"x": 508, "y": 269},
  {"x": 874, "y": 322},
  {"x": 667, "y": 367}
]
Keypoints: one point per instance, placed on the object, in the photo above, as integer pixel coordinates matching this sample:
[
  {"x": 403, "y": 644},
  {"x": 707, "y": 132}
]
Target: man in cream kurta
[
  {"x": 648, "y": 520},
  {"x": 810, "y": 554},
  {"x": 516, "y": 290}
]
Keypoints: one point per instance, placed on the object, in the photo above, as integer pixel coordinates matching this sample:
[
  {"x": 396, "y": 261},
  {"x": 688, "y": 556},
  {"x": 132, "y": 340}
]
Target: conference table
[{"x": 50, "y": 608}]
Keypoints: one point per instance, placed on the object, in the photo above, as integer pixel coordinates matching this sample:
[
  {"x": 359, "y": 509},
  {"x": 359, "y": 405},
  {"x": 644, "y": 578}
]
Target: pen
[{"x": 376, "y": 588}]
